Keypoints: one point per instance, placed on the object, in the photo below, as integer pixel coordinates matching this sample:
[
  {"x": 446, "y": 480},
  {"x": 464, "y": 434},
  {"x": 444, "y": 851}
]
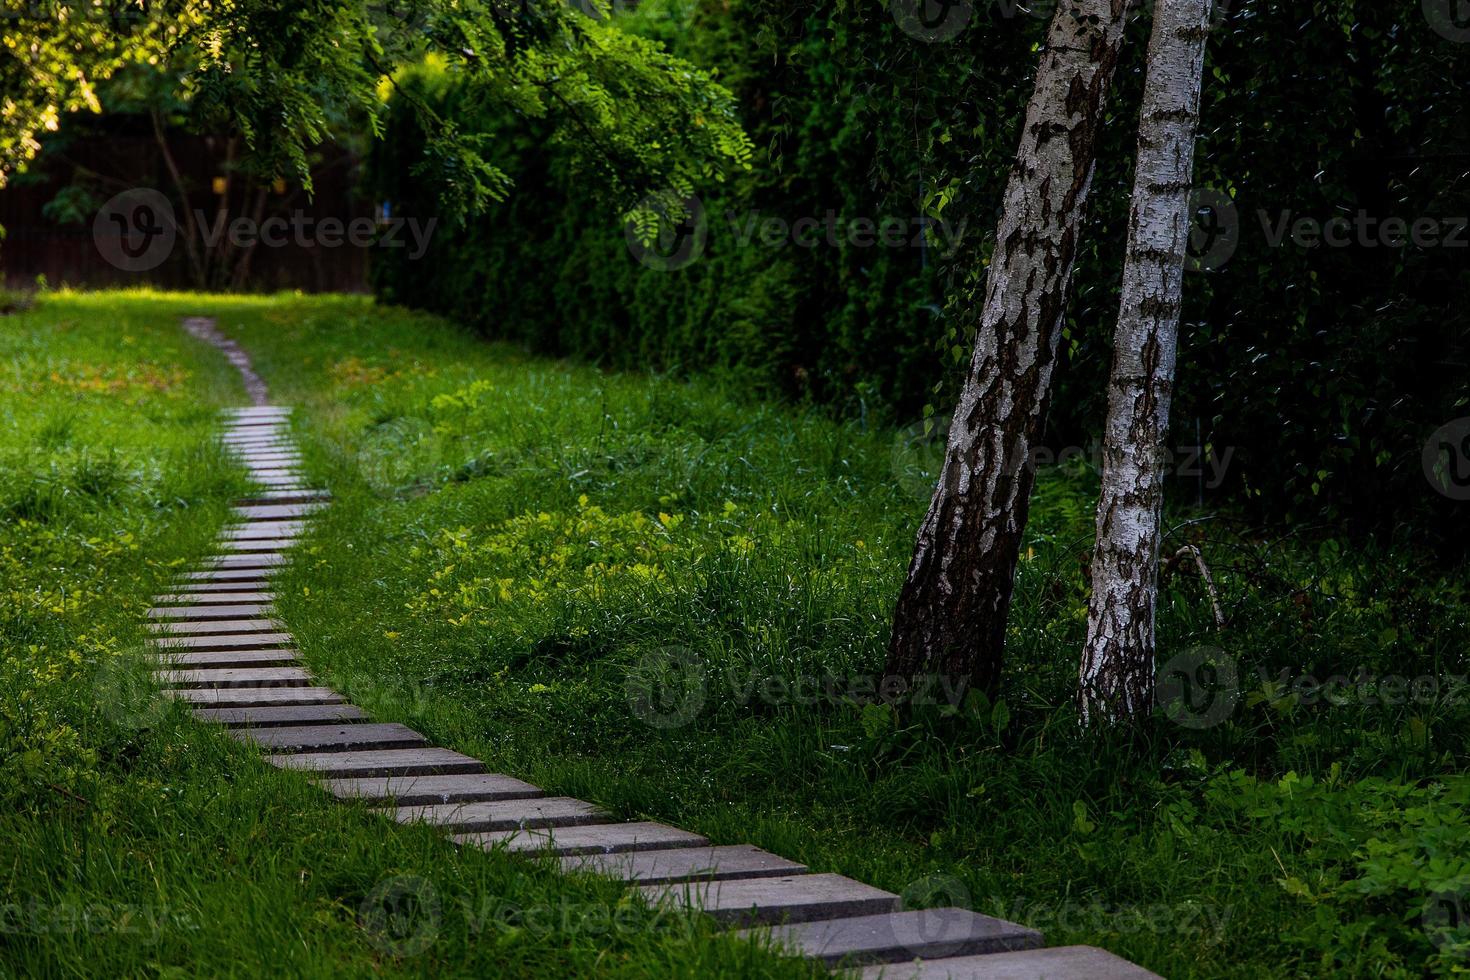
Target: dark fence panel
[{"x": 114, "y": 155}]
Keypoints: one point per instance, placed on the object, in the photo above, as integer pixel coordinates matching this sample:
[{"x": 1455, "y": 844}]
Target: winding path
[{"x": 221, "y": 649}]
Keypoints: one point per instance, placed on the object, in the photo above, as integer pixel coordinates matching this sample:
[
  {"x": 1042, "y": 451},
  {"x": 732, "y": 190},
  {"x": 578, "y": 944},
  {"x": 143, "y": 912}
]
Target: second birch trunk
[{"x": 1116, "y": 680}]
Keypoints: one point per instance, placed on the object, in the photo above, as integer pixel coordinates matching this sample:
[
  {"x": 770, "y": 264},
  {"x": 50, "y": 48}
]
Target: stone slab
[
  {"x": 384, "y": 762},
  {"x": 268, "y": 497},
  {"x": 266, "y": 529},
  {"x": 230, "y": 579},
  {"x": 211, "y": 611},
  {"x": 219, "y": 626},
  {"x": 216, "y": 598},
  {"x": 1057, "y": 963},
  {"x": 227, "y": 658},
  {"x": 333, "y": 737},
  {"x": 235, "y": 677},
  {"x": 223, "y": 641},
  {"x": 262, "y": 443},
  {"x": 685, "y": 864},
  {"x": 235, "y": 563},
  {"x": 268, "y": 545},
  {"x": 769, "y": 901},
  {"x": 605, "y": 838},
  {"x": 282, "y": 716},
  {"x": 427, "y": 790},
  {"x": 276, "y": 512},
  {"x": 251, "y": 534},
  {"x": 195, "y": 589},
  {"x": 465, "y": 818},
  {"x": 899, "y": 937},
  {"x": 255, "y": 697}
]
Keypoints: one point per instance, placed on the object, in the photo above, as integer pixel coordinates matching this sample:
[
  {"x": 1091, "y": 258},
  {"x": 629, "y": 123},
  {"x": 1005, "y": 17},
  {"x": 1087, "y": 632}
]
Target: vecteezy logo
[
  {"x": 1450, "y": 19},
  {"x": 599, "y": 9},
  {"x": 1199, "y": 687},
  {"x": 135, "y": 230},
  {"x": 401, "y": 915},
  {"x": 942, "y": 926},
  {"x": 918, "y": 456},
  {"x": 124, "y": 692},
  {"x": 932, "y": 21},
  {"x": 1446, "y": 918},
  {"x": 666, "y": 689},
  {"x": 394, "y": 453},
  {"x": 1215, "y": 234},
  {"x": 666, "y": 233},
  {"x": 1447, "y": 459}
]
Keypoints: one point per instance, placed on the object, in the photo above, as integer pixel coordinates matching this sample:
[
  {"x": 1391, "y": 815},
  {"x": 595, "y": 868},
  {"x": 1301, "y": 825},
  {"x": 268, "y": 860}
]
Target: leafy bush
[{"x": 1318, "y": 373}]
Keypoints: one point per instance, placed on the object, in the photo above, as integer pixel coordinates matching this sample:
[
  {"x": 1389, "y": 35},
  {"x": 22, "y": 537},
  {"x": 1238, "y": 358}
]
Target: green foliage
[
  {"x": 283, "y": 76},
  {"x": 1320, "y": 371},
  {"x": 133, "y": 839},
  {"x": 1299, "y": 836}
]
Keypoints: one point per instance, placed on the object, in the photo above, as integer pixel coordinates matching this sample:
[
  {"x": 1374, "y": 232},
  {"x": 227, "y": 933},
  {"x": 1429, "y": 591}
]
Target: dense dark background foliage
[{"x": 1316, "y": 374}]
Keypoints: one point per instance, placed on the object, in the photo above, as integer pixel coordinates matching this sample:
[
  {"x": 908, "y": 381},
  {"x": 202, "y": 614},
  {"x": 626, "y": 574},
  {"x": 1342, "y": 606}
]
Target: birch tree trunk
[
  {"x": 951, "y": 614},
  {"x": 1116, "y": 680}
]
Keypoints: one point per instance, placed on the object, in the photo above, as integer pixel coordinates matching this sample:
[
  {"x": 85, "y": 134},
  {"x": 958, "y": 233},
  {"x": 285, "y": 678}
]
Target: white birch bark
[
  {"x": 1117, "y": 671},
  {"x": 951, "y": 613}
]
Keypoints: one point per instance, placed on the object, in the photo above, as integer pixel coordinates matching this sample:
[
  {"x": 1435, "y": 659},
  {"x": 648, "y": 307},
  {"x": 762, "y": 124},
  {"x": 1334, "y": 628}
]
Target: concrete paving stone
[
  {"x": 258, "y": 581},
  {"x": 239, "y": 563},
  {"x": 383, "y": 762},
  {"x": 248, "y": 533},
  {"x": 268, "y": 546},
  {"x": 222, "y": 642},
  {"x": 685, "y": 864},
  {"x": 769, "y": 901},
  {"x": 603, "y": 838},
  {"x": 255, "y": 697},
  {"x": 215, "y": 597},
  {"x": 267, "y": 498},
  {"x": 256, "y": 624},
  {"x": 333, "y": 737},
  {"x": 195, "y": 660},
  {"x": 282, "y": 716},
  {"x": 229, "y": 578},
  {"x": 899, "y": 937},
  {"x": 1056, "y": 963},
  {"x": 234, "y": 677},
  {"x": 465, "y": 818},
  {"x": 426, "y": 790},
  {"x": 276, "y": 512},
  {"x": 289, "y": 525},
  {"x": 211, "y": 611}
]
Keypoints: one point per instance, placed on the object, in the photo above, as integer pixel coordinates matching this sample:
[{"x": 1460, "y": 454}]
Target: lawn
[{"x": 668, "y": 598}]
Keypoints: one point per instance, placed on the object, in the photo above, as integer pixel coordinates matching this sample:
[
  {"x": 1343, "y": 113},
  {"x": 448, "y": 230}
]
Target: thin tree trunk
[
  {"x": 951, "y": 615},
  {"x": 191, "y": 245},
  {"x": 1116, "y": 680}
]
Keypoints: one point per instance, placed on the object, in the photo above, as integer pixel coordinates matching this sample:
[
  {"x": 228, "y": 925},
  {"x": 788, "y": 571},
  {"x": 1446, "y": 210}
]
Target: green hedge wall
[{"x": 1316, "y": 373}]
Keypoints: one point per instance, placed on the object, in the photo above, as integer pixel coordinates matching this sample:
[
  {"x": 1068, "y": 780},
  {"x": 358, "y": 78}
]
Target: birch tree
[
  {"x": 951, "y": 614},
  {"x": 1117, "y": 672}
]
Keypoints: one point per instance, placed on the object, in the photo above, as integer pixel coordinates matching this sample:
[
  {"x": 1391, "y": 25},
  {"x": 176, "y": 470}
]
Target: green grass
[
  {"x": 611, "y": 585},
  {"x": 136, "y": 842}
]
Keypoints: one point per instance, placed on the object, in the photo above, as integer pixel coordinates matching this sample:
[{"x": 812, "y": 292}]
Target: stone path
[{"x": 220, "y": 648}]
